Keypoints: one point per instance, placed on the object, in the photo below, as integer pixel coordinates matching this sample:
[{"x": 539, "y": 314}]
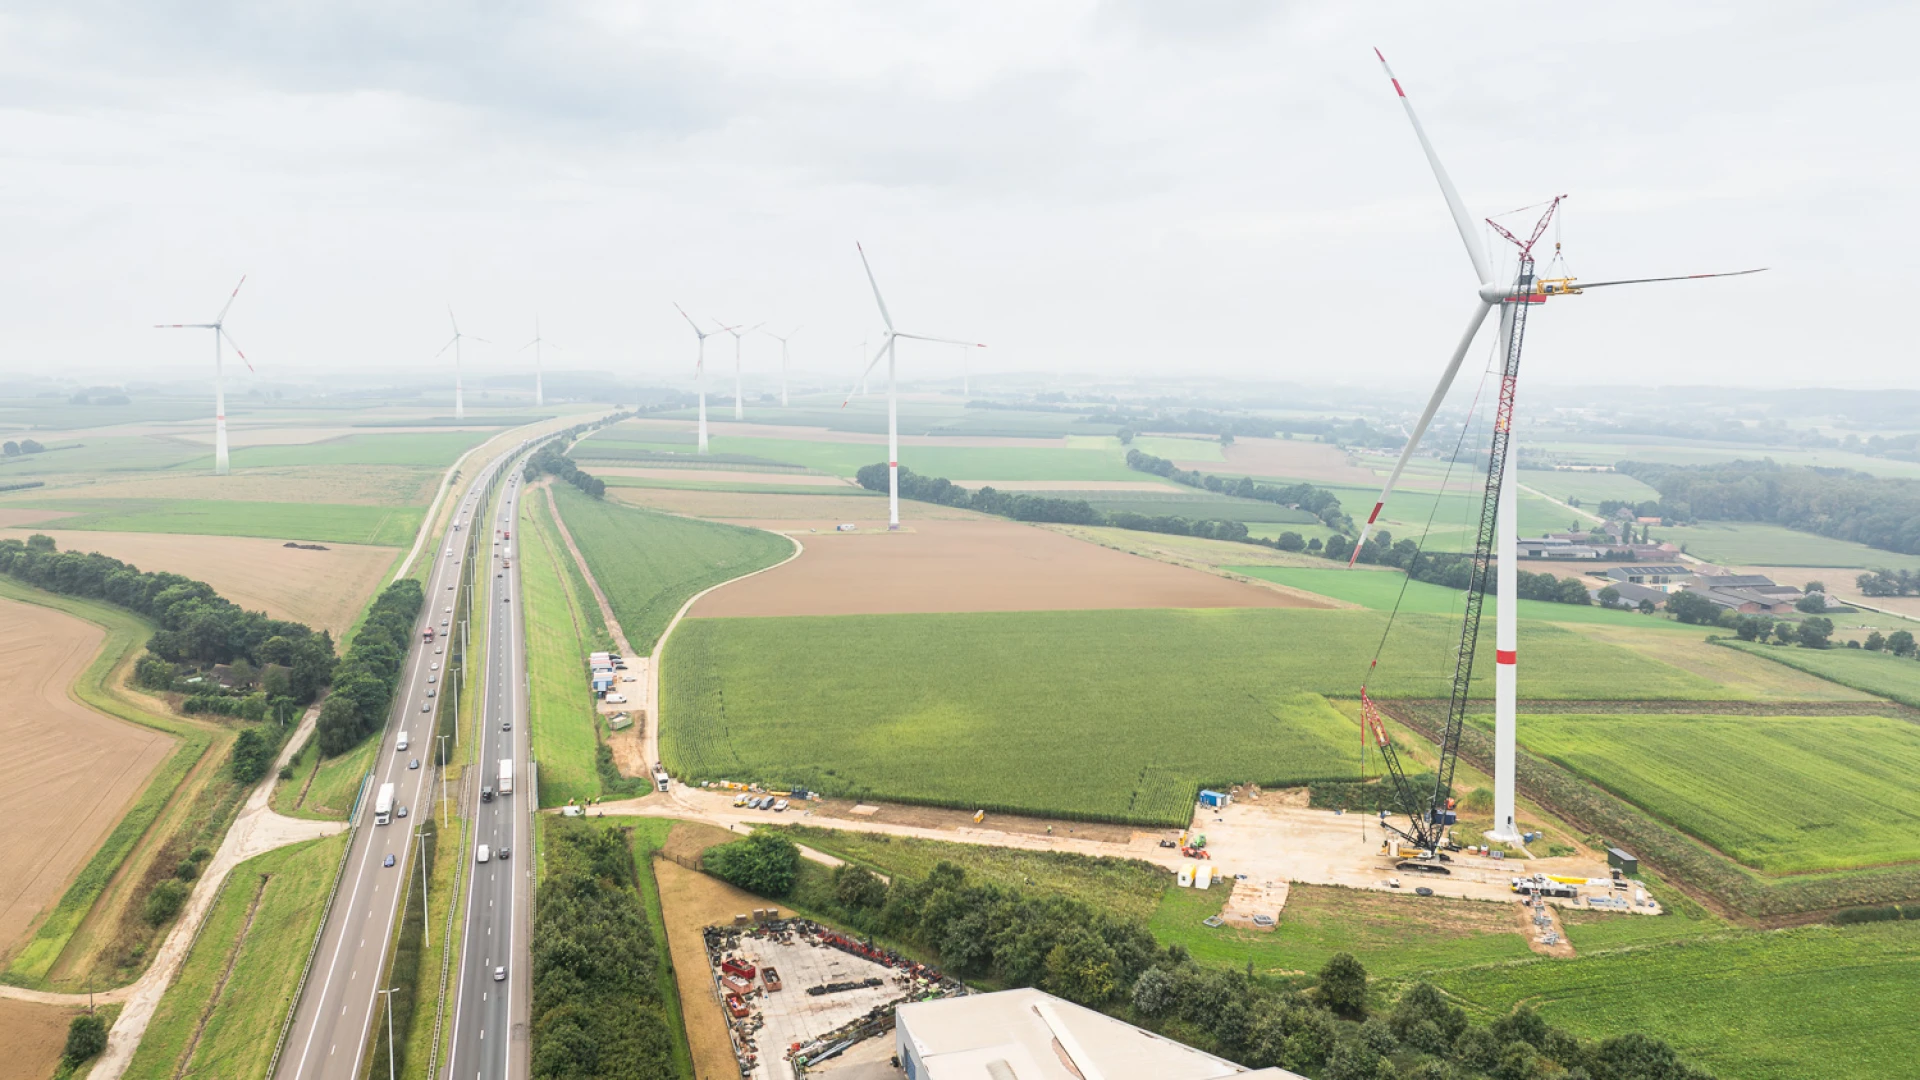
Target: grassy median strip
[{"x": 560, "y": 704}]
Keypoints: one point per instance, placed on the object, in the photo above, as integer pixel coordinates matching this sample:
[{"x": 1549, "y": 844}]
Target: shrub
[
  {"x": 765, "y": 863},
  {"x": 86, "y": 1037},
  {"x": 1343, "y": 985},
  {"x": 164, "y": 902}
]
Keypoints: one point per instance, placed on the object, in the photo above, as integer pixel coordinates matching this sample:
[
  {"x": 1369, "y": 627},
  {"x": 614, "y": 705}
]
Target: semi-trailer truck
[
  {"x": 506, "y": 776},
  {"x": 383, "y": 805}
]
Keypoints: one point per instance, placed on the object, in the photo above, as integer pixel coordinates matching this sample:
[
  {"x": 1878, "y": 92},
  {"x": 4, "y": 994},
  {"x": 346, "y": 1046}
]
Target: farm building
[
  {"x": 1555, "y": 547},
  {"x": 1631, "y": 594},
  {"x": 1032, "y": 1035},
  {"x": 1666, "y": 578},
  {"x": 1749, "y": 594}
]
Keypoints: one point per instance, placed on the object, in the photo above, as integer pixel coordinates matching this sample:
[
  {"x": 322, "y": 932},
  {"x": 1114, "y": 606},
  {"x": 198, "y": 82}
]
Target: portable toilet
[
  {"x": 1203, "y": 876},
  {"x": 1186, "y": 876},
  {"x": 1214, "y": 799}
]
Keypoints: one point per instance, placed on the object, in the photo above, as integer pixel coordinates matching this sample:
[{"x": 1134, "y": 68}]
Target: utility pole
[
  {"x": 389, "y": 994},
  {"x": 420, "y": 833},
  {"x": 443, "y": 756}
]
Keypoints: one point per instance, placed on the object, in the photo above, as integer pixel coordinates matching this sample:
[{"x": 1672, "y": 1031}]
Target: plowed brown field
[
  {"x": 324, "y": 589},
  {"x": 979, "y": 565},
  {"x": 1295, "y": 459},
  {"x": 68, "y": 772}
]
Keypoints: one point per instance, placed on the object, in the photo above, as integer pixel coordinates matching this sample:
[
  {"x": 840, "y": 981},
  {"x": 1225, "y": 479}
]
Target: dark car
[
  {"x": 504, "y": 853},
  {"x": 389, "y": 861},
  {"x": 413, "y": 764}
]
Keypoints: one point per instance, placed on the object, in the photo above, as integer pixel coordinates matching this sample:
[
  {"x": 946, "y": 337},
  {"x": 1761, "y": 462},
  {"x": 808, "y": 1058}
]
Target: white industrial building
[{"x": 1032, "y": 1035}]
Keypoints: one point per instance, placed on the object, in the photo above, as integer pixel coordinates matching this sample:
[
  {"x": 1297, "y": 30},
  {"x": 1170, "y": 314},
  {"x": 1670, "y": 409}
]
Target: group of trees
[
  {"x": 1889, "y": 583},
  {"x": 1319, "y": 502},
  {"x": 1877, "y": 511},
  {"x": 1045, "y": 508},
  {"x": 1452, "y": 569},
  {"x": 549, "y": 460},
  {"x": 1899, "y": 643},
  {"x": 364, "y": 681},
  {"x": 1069, "y": 948},
  {"x": 1813, "y": 633},
  {"x": 24, "y": 446},
  {"x": 197, "y": 625},
  {"x": 596, "y": 1004},
  {"x": 1355, "y": 432}
]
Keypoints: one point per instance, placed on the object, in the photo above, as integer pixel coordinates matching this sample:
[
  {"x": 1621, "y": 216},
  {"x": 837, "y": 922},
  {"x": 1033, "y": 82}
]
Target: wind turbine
[
  {"x": 1498, "y": 513},
  {"x": 219, "y": 328},
  {"x": 783, "y": 360},
  {"x": 739, "y": 406},
  {"x": 539, "y": 368},
  {"x": 459, "y": 391},
  {"x": 893, "y": 405},
  {"x": 700, "y": 370}
]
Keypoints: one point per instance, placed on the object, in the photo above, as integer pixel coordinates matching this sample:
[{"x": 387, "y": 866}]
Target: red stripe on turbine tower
[{"x": 1506, "y": 656}]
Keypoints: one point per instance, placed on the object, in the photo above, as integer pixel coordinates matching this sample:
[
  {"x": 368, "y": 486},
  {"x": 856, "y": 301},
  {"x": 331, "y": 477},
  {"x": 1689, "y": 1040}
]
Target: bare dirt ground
[
  {"x": 324, "y": 589},
  {"x": 69, "y": 771},
  {"x": 33, "y": 1036},
  {"x": 722, "y": 476},
  {"x": 689, "y": 902},
  {"x": 1294, "y": 459},
  {"x": 359, "y": 485},
  {"x": 14, "y": 517},
  {"x": 944, "y": 566},
  {"x": 936, "y": 817}
]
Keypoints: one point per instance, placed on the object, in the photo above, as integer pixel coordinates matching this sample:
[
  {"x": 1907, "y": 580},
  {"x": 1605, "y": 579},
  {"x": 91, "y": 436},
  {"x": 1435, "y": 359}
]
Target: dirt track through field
[
  {"x": 980, "y": 565},
  {"x": 324, "y": 589},
  {"x": 68, "y": 773}
]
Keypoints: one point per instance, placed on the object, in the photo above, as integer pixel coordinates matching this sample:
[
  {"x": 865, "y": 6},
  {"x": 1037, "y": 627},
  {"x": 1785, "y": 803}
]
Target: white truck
[
  {"x": 506, "y": 776},
  {"x": 383, "y": 805},
  {"x": 402, "y": 744}
]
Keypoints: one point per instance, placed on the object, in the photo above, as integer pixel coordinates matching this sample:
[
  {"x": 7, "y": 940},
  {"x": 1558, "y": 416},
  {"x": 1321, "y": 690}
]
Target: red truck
[{"x": 427, "y": 634}]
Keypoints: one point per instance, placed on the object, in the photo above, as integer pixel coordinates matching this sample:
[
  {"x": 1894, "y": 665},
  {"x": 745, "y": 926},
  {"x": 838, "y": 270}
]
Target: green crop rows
[
  {"x": 649, "y": 564},
  {"x": 391, "y": 526},
  {"x": 1784, "y": 1005},
  {"x": 1104, "y": 714},
  {"x": 1879, "y": 673},
  {"x": 1381, "y": 590},
  {"x": 1778, "y": 793}
]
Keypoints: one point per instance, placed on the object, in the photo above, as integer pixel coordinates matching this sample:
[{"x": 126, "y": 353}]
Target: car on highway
[
  {"x": 433, "y": 665},
  {"x": 506, "y": 725},
  {"x": 432, "y": 690},
  {"x": 486, "y": 794},
  {"x": 401, "y": 812},
  {"x": 414, "y": 763},
  {"x": 438, "y": 649},
  {"x": 426, "y": 706},
  {"x": 500, "y": 974},
  {"x": 482, "y": 854},
  {"x": 505, "y": 853},
  {"x": 506, "y": 599},
  {"x": 389, "y": 861},
  {"x": 433, "y": 678}
]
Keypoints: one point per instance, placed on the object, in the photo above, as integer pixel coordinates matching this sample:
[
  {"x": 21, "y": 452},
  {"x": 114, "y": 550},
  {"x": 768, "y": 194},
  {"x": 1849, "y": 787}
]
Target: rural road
[
  {"x": 490, "y": 1015},
  {"x": 334, "y": 1018}
]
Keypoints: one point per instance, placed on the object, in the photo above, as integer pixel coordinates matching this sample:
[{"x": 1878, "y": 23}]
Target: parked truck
[
  {"x": 506, "y": 776},
  {"x": 383, "y": 805}
]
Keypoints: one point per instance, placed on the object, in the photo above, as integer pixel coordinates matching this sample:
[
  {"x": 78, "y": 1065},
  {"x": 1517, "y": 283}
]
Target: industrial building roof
[{"x": 1032, "y": 1035}]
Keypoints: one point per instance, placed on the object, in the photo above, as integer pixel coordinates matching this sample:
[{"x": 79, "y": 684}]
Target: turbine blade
[
  {"x": 942, "y": 341},
  {"x": 454, "y": 321},
  {"x": 875, "y": 362},
  {"x": 1469, "y": 229},
  {"x": 690, "y": 322},
  {"x": 1680, "y": 277},
  {"x": 222, "y": 331},
  {"x": 184, "y": 326},
  {"x": 884, "y": 317},
  {"x": 1433, "y": 405},
  {"x": 481, "y": 340},
  {"x": 218, "y": 319},
  {"x": 447, "y": 346}
]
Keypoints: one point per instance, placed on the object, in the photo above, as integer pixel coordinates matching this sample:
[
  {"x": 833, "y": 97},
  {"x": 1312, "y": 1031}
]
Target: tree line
[
  {"x": 1878, "y": 511},
  {"x": 1040, "y": 508},
  {"x": 24, "y": 446},
  {"x": 366, "y": 678},
  {"x": 1015, "y": 937},
  {"x": 1319, "y": 502},
  {"x": 548, "y": 460},
  {"x": 596, "y": 1009}
]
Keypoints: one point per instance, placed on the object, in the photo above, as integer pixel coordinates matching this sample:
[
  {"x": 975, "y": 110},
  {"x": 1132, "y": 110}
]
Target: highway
[
  {"x": 491, "y": 1004},
  {"x": 333, "y": 1022}
]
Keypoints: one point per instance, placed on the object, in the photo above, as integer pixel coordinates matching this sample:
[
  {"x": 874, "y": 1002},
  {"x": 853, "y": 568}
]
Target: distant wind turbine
[
  {"x": 739, "y": 409},
  {"x": 783, "y": 360},
  {"x": 218, "y": 326},
  {"x": 539, "y": 368},
  {"x": 459, "y": 391},
  {"x": 700, "y": 369},
  {"x": 893, "y": 403}
]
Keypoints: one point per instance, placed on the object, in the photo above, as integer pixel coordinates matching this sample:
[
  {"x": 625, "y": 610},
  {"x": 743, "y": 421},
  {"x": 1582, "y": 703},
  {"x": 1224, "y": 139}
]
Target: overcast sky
[{"x": 1126, "y": 187}]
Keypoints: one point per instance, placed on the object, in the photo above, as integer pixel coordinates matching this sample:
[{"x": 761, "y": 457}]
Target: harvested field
[
  {"x": 324, "y": 589},
  {"x": 721, "y": 476},
  {"x": 856, "y": 506},
  {"x": 69, "y": 770},
  {"x": 1728, "y": 667},
  {"x": 19, "y": 517},
  {"x": 1188, "y": 550},
  {"x": 357, "y": 485},
  {"x": 979, "y": 565},
  {"x": 641, "y": 429},
  {"x": 33, "y": 1036},
  {"x": 691, "y": 901},
  {"x": 1294, "y": 459}
]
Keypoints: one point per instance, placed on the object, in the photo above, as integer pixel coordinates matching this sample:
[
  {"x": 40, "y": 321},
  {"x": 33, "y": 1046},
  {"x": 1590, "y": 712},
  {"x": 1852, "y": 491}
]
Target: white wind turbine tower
[
  {"x": 459, "y": 389},
  {"x": 700, "y": 370},
  {"x": 783, "y": 359},
  {"x": 539, "y": 366},
  {"x": 893, "y": 401},
  {"x": 219, "y": 328},
  {"x": 739, "y": 401},
  {"x": 1514, "y": 298}
]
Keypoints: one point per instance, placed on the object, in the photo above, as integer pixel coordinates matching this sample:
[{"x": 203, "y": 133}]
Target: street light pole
[
  {"x": 389, "y": 993},
  {"x": 443, "y": 759},
  {"x": 420, "y": 833}
]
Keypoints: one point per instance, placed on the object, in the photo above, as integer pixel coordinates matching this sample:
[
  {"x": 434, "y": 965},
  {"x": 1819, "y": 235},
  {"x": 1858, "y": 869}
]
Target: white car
[
  {"x": 500, "y": 974},
  {"x": 482, "y": 853}
]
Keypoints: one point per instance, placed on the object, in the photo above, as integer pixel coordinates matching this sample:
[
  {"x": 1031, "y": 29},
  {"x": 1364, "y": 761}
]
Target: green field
[
  {"x": 1782, "y": 794},
  {"x": 953, "y": 462},
  {"x": 559, "y": 702},
  {"x": 1590, "y": 488},
  {"x": 1783, "y": 1005},
  {"x": 401, "y": 448},
  {"x": 1879, "y": 673},
  {"x": 649, "y": 564},
  {"x": 1379, "y": 590},
  {"x": 1105, "y": 714},
  {"x": 390, "y": 526},
  {"x": 1177, "y": 449},
  {"x": 1750, "y": 543},
  {"x": 239, "y": 979}
]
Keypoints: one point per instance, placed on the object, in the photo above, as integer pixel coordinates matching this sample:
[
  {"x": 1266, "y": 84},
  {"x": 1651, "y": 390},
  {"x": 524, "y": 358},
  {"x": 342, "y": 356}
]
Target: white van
[
  {"x": 402, "y": 744},
  {"x": 482, "y": 853},
  {"x": 616, "y": 699}
]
